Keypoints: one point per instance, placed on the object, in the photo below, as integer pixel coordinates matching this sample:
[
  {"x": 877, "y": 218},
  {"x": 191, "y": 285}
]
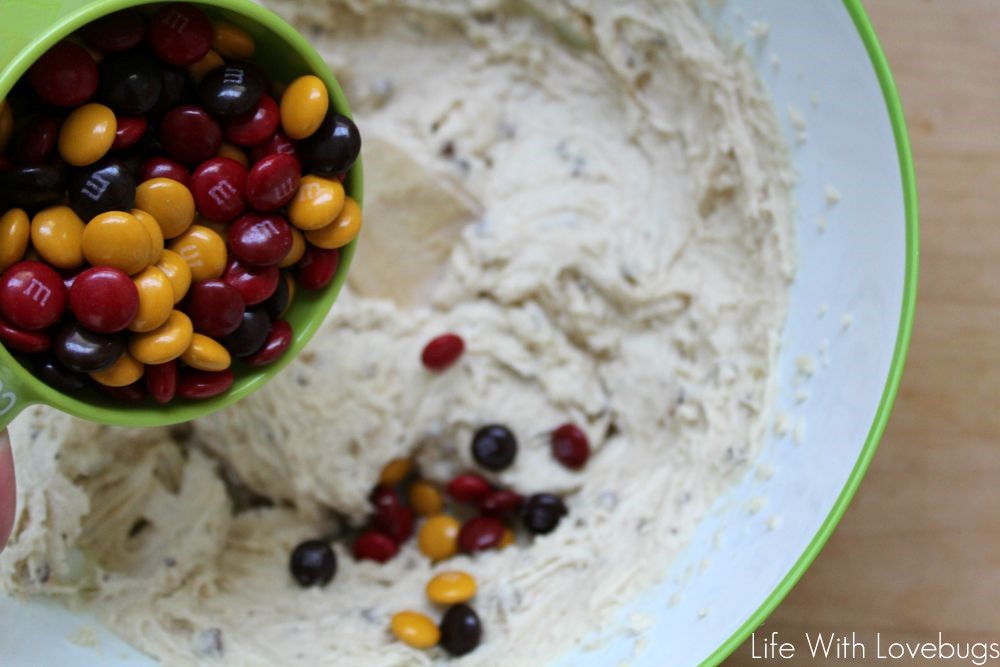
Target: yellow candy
[
  {"x": 415, "y": 629},
  {"x": 506, "y": 539},
  {"x": 206, "y": 354},
  {"x": 155, "y": 233},
  {"x": 291, "y": 293},
  {"x": 203, "y": 250},
  {"x": 169, "y": 202},
  {"x": 298, "y": 249},
  {"x": 15, "y": 230},
  {"x": 451, "y": 587},
  {"x": 117, "y": 239},
  {"x": 87, "y": 134},
  {"x": 6, "y": 124},
  {"x": 122, "y": 373},
  {"x": 177, "y": 272},
  {"x": 438, "y": 537},
  {"x": 317, "y": 203},
  {"x": 341, "y": 231},
  {"x": 165, "y": 343},
  {"x": 233, "y": 153},
  {"x": 425, "y": 499},
  {"x": 206, "y": 64},
  {"x": 156, "y": 300},
  {"x": 395, "y": 471},
  {"x": 232, "y": 42},
  {"x": 303, "y": 106},
  {"x": 56, "y": 234}
]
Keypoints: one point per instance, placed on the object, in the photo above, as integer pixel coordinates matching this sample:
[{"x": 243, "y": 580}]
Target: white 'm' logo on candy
[
  {"x": 37, "y": 292},
  {"x": 285, "y": 188},
  {"x": 233, "y": 75},
  {"x": 312, "y": 190},
  {"x": 221, "y": 192},
  {"x": 175, "y": 20},
  {"x": 96, "y": 186},
  {"x": 191, "y": 256},
  {"x": 267, "y": 226}
]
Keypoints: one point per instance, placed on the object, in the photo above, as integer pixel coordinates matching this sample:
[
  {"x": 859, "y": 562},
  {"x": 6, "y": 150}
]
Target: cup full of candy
[{"x": 180, "y": 192}]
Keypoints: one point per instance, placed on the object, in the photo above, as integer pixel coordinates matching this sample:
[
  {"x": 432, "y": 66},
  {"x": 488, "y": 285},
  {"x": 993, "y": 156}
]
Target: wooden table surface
[{"x": 918, "y": 551}]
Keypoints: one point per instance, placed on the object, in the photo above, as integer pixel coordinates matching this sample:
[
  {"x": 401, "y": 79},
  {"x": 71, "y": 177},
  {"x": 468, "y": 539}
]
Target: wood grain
[{"x": 919, "y": 549}]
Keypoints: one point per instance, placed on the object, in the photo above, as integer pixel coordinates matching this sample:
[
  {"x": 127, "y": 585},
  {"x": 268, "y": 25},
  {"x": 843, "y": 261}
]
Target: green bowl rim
[{"x": 905, "y": 156}]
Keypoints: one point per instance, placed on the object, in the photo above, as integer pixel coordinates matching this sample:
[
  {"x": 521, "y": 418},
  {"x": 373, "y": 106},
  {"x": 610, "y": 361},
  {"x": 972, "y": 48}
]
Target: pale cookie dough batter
[{"x": 595, "y": 195}]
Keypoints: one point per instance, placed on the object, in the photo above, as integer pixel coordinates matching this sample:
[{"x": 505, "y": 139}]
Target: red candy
[
  {"x": 480, "y": 533},
  {"x": 317, "y": 267},
  {"x": 218, "y": 186},
  {"x": 116, "y": 32},
  {"x": 130, "y": 130},
  {"x": 254, "y": 283},
  {"x": 32, "y": 295},
  {"x": 104, "y": 299},
  {"x": 570, "y": 446},
  {"x": 279, "y": 143},
  {"x": 260, "y": 240},
  {"x": 398, "y": 525},
  {"x": 442, "y": 352},
  {"x": 273, "y": 181},
  {"x": 21, "y": 340},
  {"x": 66, "y": 76},
  {"x": 192, "y": 383},
  {"x": 132, "y": 393},
  {"x": 255, "y": 126},
  {"x": 469, "y": 488},
  {"x": 180, "y": 34},
  {"x": 161, "y": 381},
  {"x": 373, "y": 545},
  {"x": 502, "y": 504},
  {"x": 164, "y": 167},
  {"x": 189, "y": 134},
  {"x": 216, "y": 309},
  {"x": 37, "y": 140},
  {"x": 277, "y": 342}
]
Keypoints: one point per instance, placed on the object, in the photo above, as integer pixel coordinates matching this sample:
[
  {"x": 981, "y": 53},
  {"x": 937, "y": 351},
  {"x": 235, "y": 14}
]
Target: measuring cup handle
[{"x": 14, "y": 397}]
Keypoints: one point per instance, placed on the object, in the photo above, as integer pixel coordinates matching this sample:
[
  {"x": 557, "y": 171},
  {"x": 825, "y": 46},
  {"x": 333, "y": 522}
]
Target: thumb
[{"x": 7, "y": 489}]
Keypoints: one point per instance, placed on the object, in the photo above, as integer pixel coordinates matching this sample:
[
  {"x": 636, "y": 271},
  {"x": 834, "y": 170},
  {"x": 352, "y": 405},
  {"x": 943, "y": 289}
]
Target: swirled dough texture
[{"x": 597, "y": 197}]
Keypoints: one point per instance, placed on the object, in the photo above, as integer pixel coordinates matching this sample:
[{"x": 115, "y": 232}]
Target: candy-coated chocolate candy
[
  {"x": 165, "y": 343},
  {"x": 278, "y": 341},
  {"x": 203, "y": 250},
  {"x": 469, "y": 488},
  {"x": 250, "y": 336},
  {"x": 6, "y": 124},
  {"x": 163, "y": 167},
  {"x": 33, "y": 185},
  {"x": 23, "y": 340},
  {"x": 195, "y": 384},
  {"x": 219, "y": 187},
  {"x": 570, "y": 446},
  {"x": 84, "y": 351},
  {"x": 216, "y": 308},
  {"x": 502, "y": 503},
  {"x": 180, "y": 34},
  {"x": 297, "y": 250},
  {"x": 169, "y": 202},
  {"x": 37, "y": 139},
  {"x": 260, "y": 240},
  {"x": 206, "y": 354},
  {"x": 255, "y": 126},
  {"x": 272, "y": 182},
  {"x": 392, "y": 518},
  {"x": 54, "y": 374},
  {"x": 130, "y": 130},
  {"x": 122, "y": 373},
  {"x": 333, "y": 148},
  {"x": 177, "y": 272},
  {"x": 395, "y": 471},
  {"x": 131, "y": 83},
  {"x": 451, "y": 587},
  {"x": 317, "y": 267},
  {"x": 303, "y": 106},
  {"x": 155, "y": 233},
  {"x": 161, "y": 381},
  {"x": 208, "y": 62},
  {"x": 32, "y": 295},
  {"x": 313, "y": 563},
  {"x": 189, "y": 134},
  {"x": 461, "y": 630},
  {"x": 115, "y": 32},
  {"x": 494, "y": 447},
  {"x": 277, "y": 304},
  {"x": 106, "y": 185},
  {"x": 442, "y": 351},
  {"x": 438, "y": 537},
  {"x": 117, "y": 239},
  {"x": 507, "y": 539},
  {"x": 254, "y": 283},
  {"x": 373, "y": 545},
  {"x": 130, "y": 393},
  {"x": 279, "y": 143},
  {"x": 15, "y": 230},
  {"x": 155, "y": 300},
  {"x": 65, "y": 76},
  {"x": 415, "y": 629},
  {"x": 104, "y": 299},
  {"x": 317, "y": 203},
  {"x": 425, "y": 499},
  {"x": 87, "y": 134},
  {"x": 233, "y": 153},
  {"x": 542, "y": 512},
  {"x": 230, "y": 90},
  {"x": 176, "y": 89},
  {"x": 480, "y": 533},
  {"x": 341, "y": 231},
  {"x": 232, "y": 41}
]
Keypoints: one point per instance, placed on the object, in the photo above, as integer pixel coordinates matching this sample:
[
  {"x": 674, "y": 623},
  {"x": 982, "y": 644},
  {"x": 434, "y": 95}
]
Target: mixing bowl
[{"x": 844, "y": 344}]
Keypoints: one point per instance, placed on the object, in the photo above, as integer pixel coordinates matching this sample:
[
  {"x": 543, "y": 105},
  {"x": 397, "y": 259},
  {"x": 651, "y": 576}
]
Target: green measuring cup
[{"x": 28, "y": 28}]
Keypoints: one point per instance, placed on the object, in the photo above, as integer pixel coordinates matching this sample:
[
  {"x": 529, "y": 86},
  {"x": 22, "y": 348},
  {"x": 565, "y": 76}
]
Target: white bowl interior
[{"x": 814, "y": 61}]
